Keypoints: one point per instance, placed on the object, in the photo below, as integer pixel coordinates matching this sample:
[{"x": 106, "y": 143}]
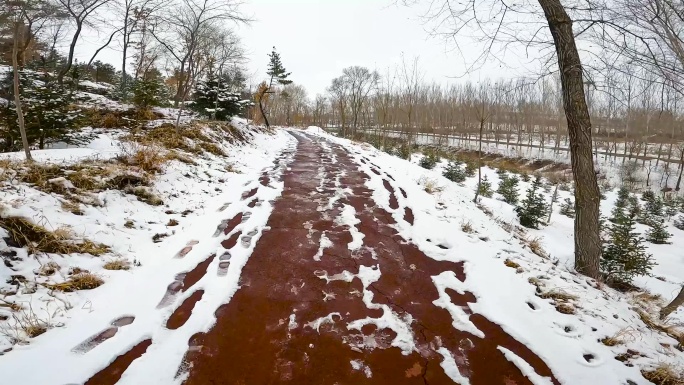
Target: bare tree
[
  {"x": 187, "y": 33},
  {"x": 80, "y": 13}
]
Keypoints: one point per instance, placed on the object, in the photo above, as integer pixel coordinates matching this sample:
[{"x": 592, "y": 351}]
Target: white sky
[{"x": 318, "y": 38}]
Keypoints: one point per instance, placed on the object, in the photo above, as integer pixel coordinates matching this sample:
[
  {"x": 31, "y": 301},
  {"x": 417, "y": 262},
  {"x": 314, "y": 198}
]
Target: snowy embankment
[
  {"x": 586, "y": 332},
  {"x": 153, "y": 245}
]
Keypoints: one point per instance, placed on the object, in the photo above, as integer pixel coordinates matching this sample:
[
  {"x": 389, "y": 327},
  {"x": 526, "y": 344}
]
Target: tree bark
[
  {"x": 17, "y": 97},
  {"x": 587, "y": 198}
]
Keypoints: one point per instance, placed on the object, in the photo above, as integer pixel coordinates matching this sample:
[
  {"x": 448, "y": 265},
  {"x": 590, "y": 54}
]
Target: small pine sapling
[
  {"x": 679, "y": 222},
  {"x": 429, "y": 161},
  {"x": 622, "y": 197},
  {"x": 533, "y": 208},
  {"x": 508, "y": 189},
  {"x": 648, "y": 195},
  {"x": 624, "y": 255},
  {"x": 485, "y": 188},
  {"x": 568, "y": 208},
  {"x": 454, "y": 172},
  {"x": 470, "y": 169},
  {"x": 657, "y": 232}
]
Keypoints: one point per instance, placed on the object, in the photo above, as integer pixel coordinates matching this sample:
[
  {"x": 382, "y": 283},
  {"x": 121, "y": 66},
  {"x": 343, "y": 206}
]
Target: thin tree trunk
[
  {"x": 672, "y": 306},
  {"x": 479, "y": 163},
  {"x": 70, "y": 58},
  {"x": 587, "y": 240},
  {"x": 17, "y": 97}
]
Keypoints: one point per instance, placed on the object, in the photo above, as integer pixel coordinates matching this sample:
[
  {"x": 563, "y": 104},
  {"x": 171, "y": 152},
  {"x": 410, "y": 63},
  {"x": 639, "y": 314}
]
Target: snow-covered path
[
  {"x": 334, "y": 268},
  {"x": 332, "y": 294}
]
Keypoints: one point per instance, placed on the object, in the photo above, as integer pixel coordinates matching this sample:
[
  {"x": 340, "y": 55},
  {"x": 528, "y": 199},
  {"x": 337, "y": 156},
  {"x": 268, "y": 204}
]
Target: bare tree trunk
[
  {"x": 672, "y": 306},
  {"x": 553, "y": 199},
  {"x": 479, "y": 162},
  {"x": 587, "y": 241},
  {"x": 263, "y": 113},
  {"x": 17, "y": 98}
]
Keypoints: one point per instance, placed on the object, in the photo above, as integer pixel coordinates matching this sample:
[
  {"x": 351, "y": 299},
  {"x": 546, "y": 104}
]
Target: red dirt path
[{"x": 265, "y": 334}]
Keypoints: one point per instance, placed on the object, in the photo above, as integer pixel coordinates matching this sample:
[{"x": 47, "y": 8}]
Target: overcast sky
[{"x": 318, "y": 38}]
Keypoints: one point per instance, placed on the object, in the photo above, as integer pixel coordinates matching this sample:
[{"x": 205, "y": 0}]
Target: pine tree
[
  {"x": 648, "y": 195},
  {"x": 679, "y": 222},
  {"x": 624, "y": 255},
  {"x": 454, "y": 172},
  {"x": 657, "y": 233},
  {"x": 568, "y": 208},
  {"x": 671, "y": 207},
  {"x": 485, "y": 189},
  {"x": 278, "y": 75},
  {"x": 525, "y": 177},
  {"x": 49, "y": 113},
  {"x": 533, "y": 207},
  {"x": 470, "y": 169},
  {"x": 149, "y": 91},
  {"x": 429, "y": 161},
  {"x": 215, "y": 99},
  {"x": 508, "y": 189},
  {"x": 623, "y": 197}
]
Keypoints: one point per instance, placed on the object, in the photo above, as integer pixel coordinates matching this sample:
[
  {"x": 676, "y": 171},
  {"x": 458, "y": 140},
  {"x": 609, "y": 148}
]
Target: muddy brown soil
[{"x": 289, "y": 321}]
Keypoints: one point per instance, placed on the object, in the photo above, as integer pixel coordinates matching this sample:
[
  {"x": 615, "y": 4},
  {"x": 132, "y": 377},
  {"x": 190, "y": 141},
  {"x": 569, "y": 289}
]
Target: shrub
[
  {"x": 533, "y": 207},
  {"x": 525, "y": 176},
  {"x": 624, "y": 255},
  {"x": 454, "y": 172}
]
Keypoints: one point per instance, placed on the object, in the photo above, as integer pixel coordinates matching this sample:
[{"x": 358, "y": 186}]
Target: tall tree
[{"x": 278, "y": 75}]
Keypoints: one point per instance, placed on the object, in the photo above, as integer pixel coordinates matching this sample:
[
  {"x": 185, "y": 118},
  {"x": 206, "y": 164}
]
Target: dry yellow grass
[
  {"x": 664, "y": 374},
  {"x": 79, "y": 281},
  {"x": 38, "y": 239},
  {"x": 117, "y": 264},
  {"x": 511, "y": 264},
  {"x": 557, "y": 294},
  {"x": 467, "y": 227}
]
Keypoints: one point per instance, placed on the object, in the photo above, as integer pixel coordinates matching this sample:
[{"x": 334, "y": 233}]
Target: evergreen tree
[
  {"x": 508, "y": 189},
  {"x": 278, "y": 75},
  {"x": 623, "y": 197},
  {"x": 648, "y": 195},
  {"x": 429, "y": 161},
  {"x": 624, "y": 255},
  {"x": 470, "y": 169},
  {"x": 454, "y": 172},
  {"x": 48, "y": 110},
  {"x": 485, "y": 188},
  {"x": 525, "y": 177},
  {"x": 657, "y": 233},
  {"x": 150, "y": 90},
  {"x": 671, "y": 207},
  {"x": 533, "y": 208},
  {"x": 214, "y": 99},
  {"x": 679, "y": 222},
  {"x": 568, "y": 208}
]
